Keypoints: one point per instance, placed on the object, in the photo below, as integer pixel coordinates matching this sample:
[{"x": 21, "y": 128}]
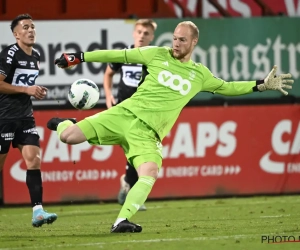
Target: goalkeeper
[
  {"x": 130, "y": 77},
  {"x": 140, "y": 123}
]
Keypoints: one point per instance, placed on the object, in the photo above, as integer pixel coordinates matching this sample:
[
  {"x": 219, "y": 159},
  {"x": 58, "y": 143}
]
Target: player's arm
[
  {"x": 271, "y": 82},
  {"x": 37, "y": 92},
  {"x": 5, "y": 68},
  {"x": 108, "y": 83},
  {"x": 6, "y": 88},
  {"x": 143, "y": 55}
]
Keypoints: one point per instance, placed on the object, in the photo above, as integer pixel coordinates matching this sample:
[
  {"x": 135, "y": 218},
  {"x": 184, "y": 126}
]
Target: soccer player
[
  {"x": 19, "y": 68},
  {"x": 140, "y": 123},
  {"x": 130, "y": 77}
]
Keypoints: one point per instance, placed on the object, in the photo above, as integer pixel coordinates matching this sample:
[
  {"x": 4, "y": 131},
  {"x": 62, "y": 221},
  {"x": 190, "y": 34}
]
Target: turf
[{"x": 233, "y": 223}]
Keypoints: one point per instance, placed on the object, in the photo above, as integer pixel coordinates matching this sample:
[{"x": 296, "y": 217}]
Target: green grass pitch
[{"x": 231, "y": 223}]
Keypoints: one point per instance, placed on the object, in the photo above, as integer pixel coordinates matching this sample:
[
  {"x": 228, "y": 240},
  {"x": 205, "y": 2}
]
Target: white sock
[
  {"x": 36, "y": 207},
  {"x": 118, "y": 221}
]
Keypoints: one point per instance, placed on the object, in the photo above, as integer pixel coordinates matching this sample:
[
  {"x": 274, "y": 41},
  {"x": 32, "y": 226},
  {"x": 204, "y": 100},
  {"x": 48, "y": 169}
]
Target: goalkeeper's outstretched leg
[{"x": 143, "y": 149}]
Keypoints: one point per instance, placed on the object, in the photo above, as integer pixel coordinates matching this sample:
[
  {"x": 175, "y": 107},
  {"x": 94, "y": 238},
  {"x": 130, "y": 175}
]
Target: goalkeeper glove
[
  {"x": 69, "y": 60},
  {"x": 273, "y": 82}
]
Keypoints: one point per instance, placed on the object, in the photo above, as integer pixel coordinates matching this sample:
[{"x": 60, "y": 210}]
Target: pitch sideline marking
[{"x": 141, "y": 241}]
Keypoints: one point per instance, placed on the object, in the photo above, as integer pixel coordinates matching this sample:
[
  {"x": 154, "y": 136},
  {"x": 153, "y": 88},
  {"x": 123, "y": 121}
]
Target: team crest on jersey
[{"x": 192, "y": 75}]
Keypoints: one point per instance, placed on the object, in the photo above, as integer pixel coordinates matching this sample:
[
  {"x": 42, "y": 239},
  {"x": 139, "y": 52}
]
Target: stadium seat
[
  {"x": 88, "y": 9},
  {"x": 36, "y": 8},
  {"x": 163, "y": 10},
  {"x": 92, "y": 9},
  {"x": 139, "y": 8},
  {"x": 148, "y": 9}
]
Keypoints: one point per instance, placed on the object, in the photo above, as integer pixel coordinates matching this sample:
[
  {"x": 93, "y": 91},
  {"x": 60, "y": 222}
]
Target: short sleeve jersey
[{"x": 19, "y": 69}]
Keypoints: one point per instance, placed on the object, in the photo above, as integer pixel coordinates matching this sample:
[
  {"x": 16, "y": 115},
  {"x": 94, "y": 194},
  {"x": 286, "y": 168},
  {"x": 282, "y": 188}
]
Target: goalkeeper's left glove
[
  {"x": 69, "y": 60},
  {"x": 273, "y": 82}
]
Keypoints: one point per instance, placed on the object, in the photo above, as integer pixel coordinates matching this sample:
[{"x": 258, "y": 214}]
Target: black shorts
[{"x": 22, "y": 132}]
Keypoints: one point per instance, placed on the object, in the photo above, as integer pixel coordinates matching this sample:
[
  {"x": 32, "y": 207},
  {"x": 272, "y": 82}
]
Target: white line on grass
[
  {"x": 84, "y": 211},
  {"x": 142, "y": 241},
  {"x": 275, "y": 216}
]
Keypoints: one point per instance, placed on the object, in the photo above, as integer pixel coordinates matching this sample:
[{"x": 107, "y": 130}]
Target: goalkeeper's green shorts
[{"x": 118, "y": 126}]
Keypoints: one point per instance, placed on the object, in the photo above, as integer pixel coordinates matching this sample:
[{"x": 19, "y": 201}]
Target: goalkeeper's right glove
[
  {"x": 69, "y": 60},
  {"x": 273, "y": 82}
]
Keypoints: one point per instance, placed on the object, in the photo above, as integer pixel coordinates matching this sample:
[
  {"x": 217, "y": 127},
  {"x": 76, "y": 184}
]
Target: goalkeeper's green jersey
[{"x": 168, "y": 86}]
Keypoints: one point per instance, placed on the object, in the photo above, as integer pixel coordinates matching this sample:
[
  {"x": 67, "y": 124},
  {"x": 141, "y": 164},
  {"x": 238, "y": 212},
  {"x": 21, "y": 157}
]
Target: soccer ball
[{"x": 83, "y": 94}]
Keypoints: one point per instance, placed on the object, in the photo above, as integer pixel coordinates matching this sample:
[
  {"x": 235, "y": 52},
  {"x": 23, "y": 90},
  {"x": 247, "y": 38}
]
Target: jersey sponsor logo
[
  {"x": 25, "y": 77},
  {"x": 10, "y": 54},
  {"x": 175, "y": 82},
  {"x": 22, "y": 63},
  {"x": 165, "y": 63},
  {"x": 32, "y": 131},
  {"x": 131, "y": 75},
  {"x": 8, "y": 136}
]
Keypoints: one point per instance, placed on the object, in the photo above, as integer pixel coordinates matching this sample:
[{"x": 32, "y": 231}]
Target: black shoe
[
  {"x": 126, "y": 227},
  {"x": 53, "y": 122}
]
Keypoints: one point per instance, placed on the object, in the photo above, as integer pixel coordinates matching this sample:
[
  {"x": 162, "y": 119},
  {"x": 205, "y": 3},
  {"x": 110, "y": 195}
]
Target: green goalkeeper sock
[
  {"x": 136, "y": 197},
  {"x": 62, "y": 126}
]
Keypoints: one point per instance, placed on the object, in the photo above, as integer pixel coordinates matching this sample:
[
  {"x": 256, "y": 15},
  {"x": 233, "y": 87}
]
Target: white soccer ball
[{"x": 83, "y": 94}]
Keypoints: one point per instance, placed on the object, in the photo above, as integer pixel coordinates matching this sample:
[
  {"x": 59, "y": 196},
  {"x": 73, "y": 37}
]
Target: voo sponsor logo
[{"x": 175, "y": 82}]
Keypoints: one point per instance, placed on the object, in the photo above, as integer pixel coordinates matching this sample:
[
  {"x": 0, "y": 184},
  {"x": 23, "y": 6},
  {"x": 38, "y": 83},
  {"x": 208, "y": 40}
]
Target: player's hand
[
  {"x": 69, "y": 60},
  {"x": 273, "y": 82},
  {"x": 110, "y": 101},
  {"x": 38, "y": 92}
]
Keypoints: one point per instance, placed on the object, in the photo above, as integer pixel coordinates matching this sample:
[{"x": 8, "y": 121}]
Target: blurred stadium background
[{"x": 219, "y": 146}]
